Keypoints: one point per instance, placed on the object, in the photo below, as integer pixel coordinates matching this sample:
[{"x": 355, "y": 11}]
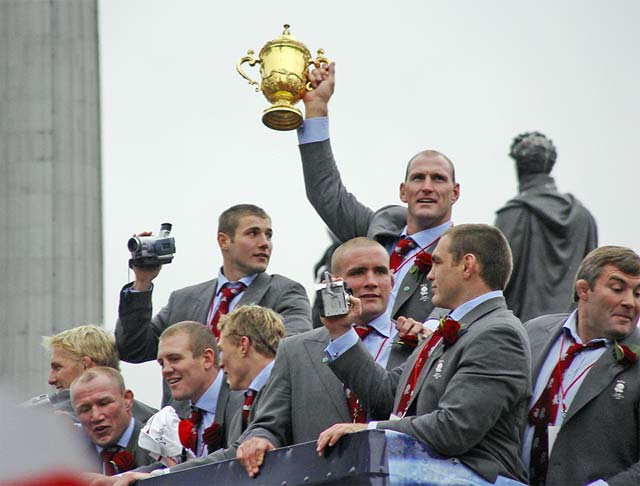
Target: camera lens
[{"x": 133, "y": 244}]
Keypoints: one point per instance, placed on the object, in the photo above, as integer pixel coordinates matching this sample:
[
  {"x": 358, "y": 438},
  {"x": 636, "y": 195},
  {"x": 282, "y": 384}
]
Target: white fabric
[{"x": 160, "y": 437}]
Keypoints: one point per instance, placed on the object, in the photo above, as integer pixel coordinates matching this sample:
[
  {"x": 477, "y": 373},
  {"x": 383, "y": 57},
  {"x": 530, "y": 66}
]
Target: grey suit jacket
[
  {"x": 347, "y": 218},
  {"x": 600, "y": 436},
  {"x": 137, "y": 332},
  {"x": 141, "y": 456},
  {"x": 301, "y": 398},
  {"x": 471, "y": 397},
  {"x": 235, "y": 432}
]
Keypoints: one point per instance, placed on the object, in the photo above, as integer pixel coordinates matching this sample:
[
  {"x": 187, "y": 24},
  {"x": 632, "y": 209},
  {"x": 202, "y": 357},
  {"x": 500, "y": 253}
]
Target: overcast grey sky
[{"x": 182, "y": 137}]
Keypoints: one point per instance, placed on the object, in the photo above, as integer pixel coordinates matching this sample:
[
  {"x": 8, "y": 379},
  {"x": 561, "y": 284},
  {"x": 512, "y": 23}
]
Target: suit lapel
[
  {"x": 334, "y": 388},
  {"x": 467, "y": 320},
  {"x": 410, "y": 283},
  {"x": 254, "y": 293},
  {"x": 542, "y": 341},
  {"x": 202, "y": 302},
  {"x": 598, "y": 378}
]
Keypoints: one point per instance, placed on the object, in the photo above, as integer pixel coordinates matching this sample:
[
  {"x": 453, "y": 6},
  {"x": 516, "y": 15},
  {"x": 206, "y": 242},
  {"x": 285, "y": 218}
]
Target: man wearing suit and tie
[
  {"x": 303, "y": 396},
  {"x": 465, "y": 390},
  {"x": 584, "y": 417},
  {"x": 429, "y": 191},
  {"x": 249, "y": 337},
  {"x": 103, "y": 406},
  {"x": 244, "y": 237}
]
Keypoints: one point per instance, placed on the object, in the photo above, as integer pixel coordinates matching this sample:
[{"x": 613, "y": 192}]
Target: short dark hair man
[
  {"x": 584, "y": 417},
  {"x": 549, "y": 232},
  {"x": 244, "y": 238},
  {"x": 103, "y": 406},
  {"x": 429, "y": 190},
  {"x": 187, "y": 354},
  {"x": 305, "y": 397},
  {"x": 249, "y": 338},
  {"x": 464, "y": 391}
]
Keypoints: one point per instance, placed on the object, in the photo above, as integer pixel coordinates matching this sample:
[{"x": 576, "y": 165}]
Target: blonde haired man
[{"x": 72, "y": 352}]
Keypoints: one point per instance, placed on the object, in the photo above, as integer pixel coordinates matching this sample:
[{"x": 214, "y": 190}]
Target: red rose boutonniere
[
  {"x": 123, "y": 461},
  {"x": 625, "y": 355},
  {"x": 450, "y": 330},
  {"x": 212, "y": 436},
  {"x": 188, "y": 436},
  {"x": 421, "y": 264}
]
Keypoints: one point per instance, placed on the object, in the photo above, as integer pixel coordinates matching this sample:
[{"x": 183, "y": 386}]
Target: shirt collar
[
  {"x": 247, "y": 280},
  {"x": 382, "y": 324},
  {"x": 570, "y": 327},
  {"x": 209, "y": 399},
  {"x": 462, "y": 310},
  {"x": 261, "y": 378},
  {"x": 426, "y": 236},
  {"x": 124, "y": 439}
]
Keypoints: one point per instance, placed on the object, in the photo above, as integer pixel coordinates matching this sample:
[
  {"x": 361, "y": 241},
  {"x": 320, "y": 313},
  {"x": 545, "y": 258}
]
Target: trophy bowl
[{"x": 284, "y": 64}]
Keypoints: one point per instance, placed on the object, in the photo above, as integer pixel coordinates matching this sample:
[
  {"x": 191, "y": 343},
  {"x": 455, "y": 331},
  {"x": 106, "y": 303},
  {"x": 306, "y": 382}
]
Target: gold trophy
[{"x": 284, "y": 64}]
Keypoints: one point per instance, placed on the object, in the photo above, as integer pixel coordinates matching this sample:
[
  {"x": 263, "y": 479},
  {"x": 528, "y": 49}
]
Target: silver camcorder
[
  {"x": 151, "y": 251},
  {"x": 334, "y": 297}
]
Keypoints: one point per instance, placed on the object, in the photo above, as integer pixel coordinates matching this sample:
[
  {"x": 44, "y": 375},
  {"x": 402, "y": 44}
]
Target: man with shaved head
[{"x": 409, "y": 234}]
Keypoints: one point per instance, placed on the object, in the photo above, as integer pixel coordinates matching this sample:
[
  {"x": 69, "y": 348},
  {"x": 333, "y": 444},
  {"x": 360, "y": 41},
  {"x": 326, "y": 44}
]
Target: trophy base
[{"x": 282, "y": 118}]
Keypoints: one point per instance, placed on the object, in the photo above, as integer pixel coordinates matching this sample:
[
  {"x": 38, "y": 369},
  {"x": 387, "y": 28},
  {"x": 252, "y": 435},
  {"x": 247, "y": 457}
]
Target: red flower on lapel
[
  {"x": 422, "y": 263},
  {"x": 187, "y": 435},
  {"x": 123, "y": 461},
  {"x": 625, "y": 355},
  {"x": 450, "y": 330},
  {"x": 212, "y": 436}
]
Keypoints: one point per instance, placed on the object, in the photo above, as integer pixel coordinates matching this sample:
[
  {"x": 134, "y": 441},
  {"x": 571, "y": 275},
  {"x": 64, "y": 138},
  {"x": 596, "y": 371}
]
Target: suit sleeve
[
  {"x": 293, "y": 305},
  {"x": 137, "y": 333},
  {"x": 491, "y": 380},
  {"x": 374, "y": 385},
  {"x": 345, "y": 216},
  {"x": 272, "y": 419}
]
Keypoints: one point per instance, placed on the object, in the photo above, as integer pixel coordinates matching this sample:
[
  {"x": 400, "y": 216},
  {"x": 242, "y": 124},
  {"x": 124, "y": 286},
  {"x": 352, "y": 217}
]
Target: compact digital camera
[
  {"x": 334, "y": 297},
  {"x": 151, "y": 251}
]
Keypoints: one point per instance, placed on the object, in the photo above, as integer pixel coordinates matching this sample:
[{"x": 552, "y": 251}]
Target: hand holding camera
[
  {"x": 339, "y": 309},
  {"x": 149, "y": 253}
]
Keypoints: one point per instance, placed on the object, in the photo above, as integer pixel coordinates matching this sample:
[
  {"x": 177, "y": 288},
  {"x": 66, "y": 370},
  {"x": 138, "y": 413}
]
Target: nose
[
  {"x": 431, "y": 276},
  {"x": 167, "y": 369},
  {"x": 629, "y": 299},
  {"x": 427, "y": 185},
  {"x": 370, "y": 280},
  {"x": 264, "y": 240},
  {"x": 52, "y": 378},
  {"x": 96, "y": 414}
]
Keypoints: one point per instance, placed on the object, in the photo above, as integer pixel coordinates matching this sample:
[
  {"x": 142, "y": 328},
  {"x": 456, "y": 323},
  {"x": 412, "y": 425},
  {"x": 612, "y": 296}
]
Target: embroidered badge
[
  {"x": 618, "y": 390},
  {"x": 424, "y": 293},
  {"x": 438, "y": 372}
]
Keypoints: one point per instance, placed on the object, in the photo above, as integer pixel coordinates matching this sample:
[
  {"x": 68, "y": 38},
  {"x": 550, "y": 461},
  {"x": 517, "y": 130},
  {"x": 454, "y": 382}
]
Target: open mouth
[
  {"x": 101, "y": 429},
  {"x": 426, "y": 200},
  {"x": 172, "y": 381}
]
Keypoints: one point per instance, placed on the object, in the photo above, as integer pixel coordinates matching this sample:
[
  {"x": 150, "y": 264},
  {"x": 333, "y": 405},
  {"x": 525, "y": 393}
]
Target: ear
[
  {"x": 223, "y": 241},
  {"x": 403, "y": 192},
  {"x": 87, "y": 362},
  {"x": 209, "y": 358},
  {"x": 128, "y": 399},
  {"x": 456, "y": 193},
  {"x": 245, "y": 344},
  {"x": 582, "y": 289},
  {"x": 470, "y": 265}
]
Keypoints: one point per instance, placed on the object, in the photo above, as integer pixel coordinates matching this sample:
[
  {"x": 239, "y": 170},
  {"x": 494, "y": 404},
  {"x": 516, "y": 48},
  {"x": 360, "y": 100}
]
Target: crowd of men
[{"x": 433, "y": 344}]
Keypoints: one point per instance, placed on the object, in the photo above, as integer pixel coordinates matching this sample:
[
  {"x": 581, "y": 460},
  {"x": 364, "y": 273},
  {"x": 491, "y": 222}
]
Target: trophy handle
[
  {"x": 252, "y": 62},
  {"x": 317, "y": 62}
]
